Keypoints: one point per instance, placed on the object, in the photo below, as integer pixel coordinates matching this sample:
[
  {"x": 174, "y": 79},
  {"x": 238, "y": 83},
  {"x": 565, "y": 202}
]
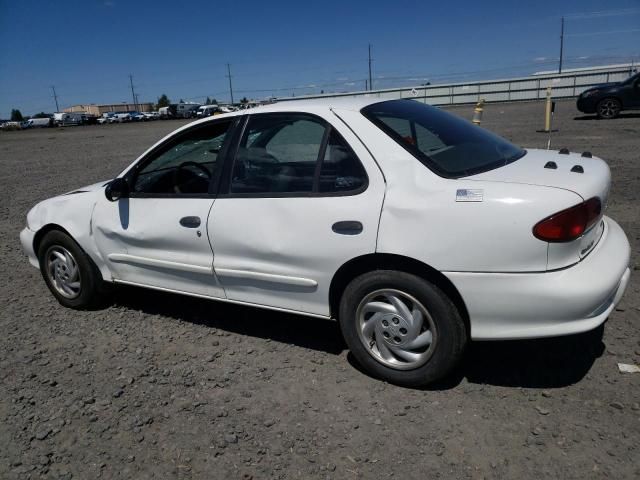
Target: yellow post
[
  {"x": 477, "y": 112},
  {"x": 547, "y": 112}
]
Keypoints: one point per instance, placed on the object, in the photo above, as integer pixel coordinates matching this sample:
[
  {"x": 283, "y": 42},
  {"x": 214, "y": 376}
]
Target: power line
[
  {"x": 55, "y": 96},
  {"x": 588, "y": 34},
  {"x": 604, "y": 13},
  {"x": 230, "y": 86}
]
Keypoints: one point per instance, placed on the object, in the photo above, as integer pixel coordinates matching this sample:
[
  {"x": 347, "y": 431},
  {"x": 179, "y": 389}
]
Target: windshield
[{"x": 448, "y": 145}]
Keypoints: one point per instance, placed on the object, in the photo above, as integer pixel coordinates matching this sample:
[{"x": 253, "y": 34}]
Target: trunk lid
[{"x": 586, "y": 177}]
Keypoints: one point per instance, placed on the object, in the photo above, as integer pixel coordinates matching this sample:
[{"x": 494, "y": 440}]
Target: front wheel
[
  {"x": 72, "y": 277},
  {"x": 401, "y": 328},
  {"x": 608, "y": 108}
]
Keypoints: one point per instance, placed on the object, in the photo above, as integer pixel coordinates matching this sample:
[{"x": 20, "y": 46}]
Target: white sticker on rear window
[{"x": 469, "y": 195}]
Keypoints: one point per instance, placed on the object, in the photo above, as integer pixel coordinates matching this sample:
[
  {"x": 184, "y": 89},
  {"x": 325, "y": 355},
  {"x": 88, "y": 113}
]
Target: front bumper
[
  {"x": 508, "y": 306},
  {"x": 586, "y": 105},
  {"x": 26, "y": 239}
]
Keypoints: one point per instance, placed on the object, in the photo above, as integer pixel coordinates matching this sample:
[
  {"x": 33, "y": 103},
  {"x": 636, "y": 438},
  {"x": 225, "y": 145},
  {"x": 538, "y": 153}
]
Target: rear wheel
[
  {"x": 608, "y": 108},
  {"x": 401, "y": 328},
  {"x": 70, "y": 274}
]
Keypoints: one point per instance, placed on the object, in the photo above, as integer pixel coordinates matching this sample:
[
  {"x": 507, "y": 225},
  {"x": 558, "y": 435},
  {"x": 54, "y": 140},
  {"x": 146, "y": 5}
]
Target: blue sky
[{"x": 87, "y": 48}]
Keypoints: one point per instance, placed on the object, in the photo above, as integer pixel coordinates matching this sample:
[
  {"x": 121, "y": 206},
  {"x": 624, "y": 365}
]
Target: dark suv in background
[{"x": 609, "y": 99}]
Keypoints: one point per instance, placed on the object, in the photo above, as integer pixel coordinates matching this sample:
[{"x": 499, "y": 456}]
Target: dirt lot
[{"x": 162, "y": 386}]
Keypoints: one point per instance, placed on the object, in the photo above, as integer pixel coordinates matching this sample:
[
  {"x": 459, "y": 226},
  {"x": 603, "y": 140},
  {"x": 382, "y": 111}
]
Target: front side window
[
  {"x": 448, "y": 145},
  {"x": 293, "y": 154},
  {"x": 186, "y": 164}
]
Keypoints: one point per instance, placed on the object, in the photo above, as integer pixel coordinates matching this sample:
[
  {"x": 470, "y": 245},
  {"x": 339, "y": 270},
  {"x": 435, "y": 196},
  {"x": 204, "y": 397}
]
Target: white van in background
[
  {"x": 207, "y": 111},
  {"x": 38, "y": 122}
]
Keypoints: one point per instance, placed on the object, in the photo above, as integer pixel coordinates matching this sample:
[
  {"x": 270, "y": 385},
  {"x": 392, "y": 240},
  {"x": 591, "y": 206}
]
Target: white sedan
[{"x": 416, "y": 230}]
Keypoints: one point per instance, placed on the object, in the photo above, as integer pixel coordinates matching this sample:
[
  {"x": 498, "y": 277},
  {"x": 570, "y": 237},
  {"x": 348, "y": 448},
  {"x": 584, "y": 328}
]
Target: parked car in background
[
  {"x": 122, "y": 117},
  {"x": 415, "y": 229},
  {"x": 67, "y": 119},
  {"x": 137, "y": 117},
  {"x": 166, "y": 113},
  {"x": 186, "y": 110},
  {"x": 609, "y": 99},
  {"x": 11, "y": 126},
  {"x": 207, "y": 110},
  {"x": 88, "y": 119},
  {"x": 105, "y": 118},
  {"x": 151, "y": 115}
]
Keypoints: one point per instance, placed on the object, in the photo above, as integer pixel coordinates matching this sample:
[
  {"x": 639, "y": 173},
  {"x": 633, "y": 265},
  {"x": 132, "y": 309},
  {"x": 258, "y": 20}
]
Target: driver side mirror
[{"x": 118, "y": 188}]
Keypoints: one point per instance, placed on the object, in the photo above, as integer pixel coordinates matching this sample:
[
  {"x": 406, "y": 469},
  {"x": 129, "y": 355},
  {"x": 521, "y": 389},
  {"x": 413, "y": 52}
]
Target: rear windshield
[{"x": 448, "y": 145}]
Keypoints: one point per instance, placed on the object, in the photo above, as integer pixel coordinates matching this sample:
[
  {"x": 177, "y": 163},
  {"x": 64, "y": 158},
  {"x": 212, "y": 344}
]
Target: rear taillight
[{"x": 569, "y": 224}]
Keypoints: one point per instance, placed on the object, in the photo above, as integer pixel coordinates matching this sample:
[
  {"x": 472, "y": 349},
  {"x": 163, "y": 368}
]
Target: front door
[
  {"x": 301, "y": 198},
  {"x": 157, "y": 236}
]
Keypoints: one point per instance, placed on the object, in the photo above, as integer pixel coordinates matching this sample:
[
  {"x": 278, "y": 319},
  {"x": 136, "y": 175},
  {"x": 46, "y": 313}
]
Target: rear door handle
[
  {"x": 190, "y": 222},
  {"x": 347, "y": 227}
]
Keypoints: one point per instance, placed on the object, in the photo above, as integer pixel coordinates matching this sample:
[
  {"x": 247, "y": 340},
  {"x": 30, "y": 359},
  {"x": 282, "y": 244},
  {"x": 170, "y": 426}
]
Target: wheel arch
[
  {"x": 386, "y": 261},
  {"x": 614, "y": 96},
  {"x": 40, "y": 234},
  {"x": 50, "y": 227}
]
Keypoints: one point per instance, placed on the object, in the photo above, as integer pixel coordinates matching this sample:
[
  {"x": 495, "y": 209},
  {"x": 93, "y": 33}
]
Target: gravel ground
[{"x": 163, "y": 386}]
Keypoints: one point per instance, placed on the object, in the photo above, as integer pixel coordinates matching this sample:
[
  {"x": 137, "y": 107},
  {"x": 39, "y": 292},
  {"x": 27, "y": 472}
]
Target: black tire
[
  {"x": 450, "y": 337},
  {"x": 93, "y": 291},
  {"x": 608, "y": 108}
]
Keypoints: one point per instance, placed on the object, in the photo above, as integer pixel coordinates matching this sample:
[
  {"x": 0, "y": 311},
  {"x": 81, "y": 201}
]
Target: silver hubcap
[
  {"x": 396, "y": 329},
  {"x": 63, "y": 271},
  {"x": 609, "y": 108}
]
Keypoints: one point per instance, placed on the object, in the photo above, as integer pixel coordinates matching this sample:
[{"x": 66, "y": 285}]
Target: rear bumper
[{"x": 505, "y": 306}]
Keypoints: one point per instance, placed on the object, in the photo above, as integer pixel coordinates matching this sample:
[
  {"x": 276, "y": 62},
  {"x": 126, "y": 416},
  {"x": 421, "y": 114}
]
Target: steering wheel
[{"x": 183, "y": 165}]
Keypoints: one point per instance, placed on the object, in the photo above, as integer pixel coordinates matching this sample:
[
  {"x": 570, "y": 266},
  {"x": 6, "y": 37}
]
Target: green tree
[
  {"x": 207, "y": 101},
  {"x": 244, "y": 100},
  {"x": 163, "y": 101},
  {"x": 213, "y": 101},
  {"x": 40, "y": 115},
  {"x": 181, "y": 101},
  {"x": 16, "y": 116}
]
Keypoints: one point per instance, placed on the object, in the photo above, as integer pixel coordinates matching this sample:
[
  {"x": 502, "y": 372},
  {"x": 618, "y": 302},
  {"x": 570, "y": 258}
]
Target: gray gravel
[{"x": 162, "y": 386}]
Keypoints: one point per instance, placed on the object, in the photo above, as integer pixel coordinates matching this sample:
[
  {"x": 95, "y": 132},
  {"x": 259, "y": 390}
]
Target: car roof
[
  {"x": 342, "y": 103},
  {"x": 305, "y": 105}
]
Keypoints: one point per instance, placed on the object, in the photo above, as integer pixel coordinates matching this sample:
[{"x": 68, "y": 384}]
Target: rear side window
[
  {"x": 294, "y": 154},
  {"x": 341, "y": 170},
  {"x": 448, "y": 145}
]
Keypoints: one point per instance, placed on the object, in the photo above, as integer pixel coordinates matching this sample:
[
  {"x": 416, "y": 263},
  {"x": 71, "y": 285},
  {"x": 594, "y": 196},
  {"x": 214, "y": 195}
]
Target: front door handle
[
  {"x": 190, "y": 222},
  {"x": 348, "y": 227}
]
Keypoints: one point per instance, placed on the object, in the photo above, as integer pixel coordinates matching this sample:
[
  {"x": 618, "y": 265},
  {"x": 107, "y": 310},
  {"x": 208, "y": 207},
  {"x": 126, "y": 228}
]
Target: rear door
[
  {"x": 302, "y": 196},
  {"x": 157, "y": 237}
]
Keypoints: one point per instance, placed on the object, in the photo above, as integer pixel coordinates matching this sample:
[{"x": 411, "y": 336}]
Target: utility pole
[
  {"x": 55, "y": 96},
  {"x": 370, "y": 82},
  {"x": 133, "y": 93},
  {"x": 561, "y": 43},
  {"x": 230, "y": 86}
]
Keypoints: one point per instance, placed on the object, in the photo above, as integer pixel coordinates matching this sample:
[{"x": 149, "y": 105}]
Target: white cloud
[
  {"x": 540, "y": 59},
  {"x": 109, "y": 3}
]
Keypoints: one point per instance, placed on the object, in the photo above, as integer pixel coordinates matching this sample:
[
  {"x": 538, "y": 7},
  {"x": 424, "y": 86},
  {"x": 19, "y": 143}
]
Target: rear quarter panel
[{"x": 422, "y": 219}]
